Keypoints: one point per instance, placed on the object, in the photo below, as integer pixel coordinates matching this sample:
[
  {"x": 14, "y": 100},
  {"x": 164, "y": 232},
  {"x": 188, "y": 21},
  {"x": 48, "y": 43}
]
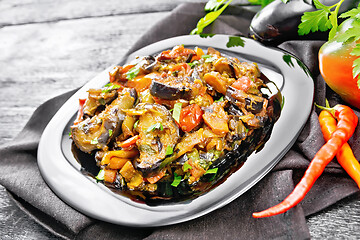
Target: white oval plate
[{"x": 62, "y": 172}]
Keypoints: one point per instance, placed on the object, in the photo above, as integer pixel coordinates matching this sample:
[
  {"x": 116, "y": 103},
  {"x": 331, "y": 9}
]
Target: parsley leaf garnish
[
  {"x": 193, "y": 64},
  {"x": 177, "y": 180},
  {"x": 109, "y": 87},
  {"x": 169, "y": 150},
  {"x": 186, "y": 166},
  {"x": 235, "y": 42},
  {"x": 101, "y": 175},
  {"x": 208, "y": 19},
  {"x": 176, "y": 111},
  {"x": 314, "y": 21},
  {"x": 155, "y": 126},
  {"x": 211, "y": 171},
  {"x": 132, "y": 73}
]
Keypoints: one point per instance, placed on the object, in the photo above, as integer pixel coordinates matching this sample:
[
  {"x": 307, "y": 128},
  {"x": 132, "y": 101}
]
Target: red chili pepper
[
  {"x": 80, "y": 113},
  {"x": 347, "y": 121}
]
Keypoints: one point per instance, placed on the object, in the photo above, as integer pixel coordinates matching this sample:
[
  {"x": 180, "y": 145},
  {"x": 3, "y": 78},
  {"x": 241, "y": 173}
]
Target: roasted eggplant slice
[
  {"x": 171, "y": 88},
  {"x": 96, "y": 132},
  {"x": 97, "y": 98},
  {"x": 158, "y": 133}
]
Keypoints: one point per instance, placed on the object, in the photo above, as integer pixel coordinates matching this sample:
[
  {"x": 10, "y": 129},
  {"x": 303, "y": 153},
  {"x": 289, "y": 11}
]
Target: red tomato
[
  {"x": 190, "y": 117},
  {"x": 242, "y": 83},
  {"x": 335, "y": 64}
]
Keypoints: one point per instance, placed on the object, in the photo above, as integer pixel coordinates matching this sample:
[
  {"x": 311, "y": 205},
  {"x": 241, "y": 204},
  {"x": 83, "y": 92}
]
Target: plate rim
[{"x": 169, "y": 213}]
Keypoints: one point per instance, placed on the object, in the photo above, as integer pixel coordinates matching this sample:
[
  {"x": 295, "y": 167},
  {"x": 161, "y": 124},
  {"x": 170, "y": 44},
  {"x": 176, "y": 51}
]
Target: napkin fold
[{"x": 21, "y": 176}]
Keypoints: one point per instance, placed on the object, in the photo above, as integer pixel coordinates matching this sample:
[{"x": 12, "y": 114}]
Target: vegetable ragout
[{"x": 172, "y": 126}]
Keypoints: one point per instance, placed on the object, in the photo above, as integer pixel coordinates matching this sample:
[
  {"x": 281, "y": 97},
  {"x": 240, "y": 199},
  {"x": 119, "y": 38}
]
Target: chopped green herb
[
  {"x": 177, "y": 180},
  {"x": 132, "y": 73},
  {"x": 209, "y": 60},
  {"x": 220, "y": 99},
  {"x": 109, "y": 87},
  {"x": 110, "y": 132},
  {"x": 206, "y": 56},
  {"x": 70, "y": 133},
  {"x": 94, "y": 141},
  {"x": 176, "y": 111},
  {"x": 186, "y": 166},
  {"x": 193, "y": 64},
  {"x": 136, "y": 124},
  {"x": 169, "y": 150},
  {"x": 102, "y": 101},
  {"x": 101, "y": 175},
  {"x": 155, "y": 126},
  {"x": 211, "y": 171}
]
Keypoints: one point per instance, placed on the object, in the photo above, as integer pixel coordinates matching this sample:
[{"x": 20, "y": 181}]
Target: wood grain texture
[{"x": 49, "y": 47}]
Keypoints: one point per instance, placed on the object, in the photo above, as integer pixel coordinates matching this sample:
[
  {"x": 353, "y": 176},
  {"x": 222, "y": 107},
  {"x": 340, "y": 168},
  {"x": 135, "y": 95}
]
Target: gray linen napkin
[{"x": 21, "y": 177}]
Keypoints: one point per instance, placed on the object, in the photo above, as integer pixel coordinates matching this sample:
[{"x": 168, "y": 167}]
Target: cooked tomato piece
[{"x": 190, "y": 117}]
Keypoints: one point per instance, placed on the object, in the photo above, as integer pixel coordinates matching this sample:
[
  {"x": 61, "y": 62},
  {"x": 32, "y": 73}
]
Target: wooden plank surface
[{"x": 49, "y": 47}]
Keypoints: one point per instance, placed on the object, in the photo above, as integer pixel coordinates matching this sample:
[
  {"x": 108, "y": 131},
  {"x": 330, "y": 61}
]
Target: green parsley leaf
[
  {"x": 70, "y": 133},
  {"x": 132, "y": 73},
  {"x": 351, "y": 34},
  {"x": 94, "y": 141},
  {"x": 220, "y": 99},
  {"x": 206, "y": 35},
  {"x": 193, "y": 64},
  {"x": 314, "y": 21},
  {"x": 109, "y": 87},
  {"x": 356, "y": 63},
  {"x": 211, "y": 171},
  {"x": 136, "y": 124},
  {"x": 101, "y": 175},
  {"x": 155, "y": 126},
  {"x": 110, "y": 132},
  {"x": 176, "y": 111},
  {"x": 235, "y": 42},
  {"x": 353, "y": 13},
  {"x": 287, "y": 59},
  {"x": 209, "y": 58},
  {"x": 169, "y": 150},
  {"x": 213, "y": 5},
  {"x": 206, "y": 56},
  {"x": 177, "y": 180},
  {"x": 186, "y": 166},
  {"x": 208, "y": 19}
]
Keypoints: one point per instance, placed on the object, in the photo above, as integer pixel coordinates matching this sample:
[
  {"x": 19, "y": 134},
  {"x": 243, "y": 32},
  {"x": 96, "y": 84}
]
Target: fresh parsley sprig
[
  {"x": 325, "y": 18},
  {"x": 210, "y": 17}
]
